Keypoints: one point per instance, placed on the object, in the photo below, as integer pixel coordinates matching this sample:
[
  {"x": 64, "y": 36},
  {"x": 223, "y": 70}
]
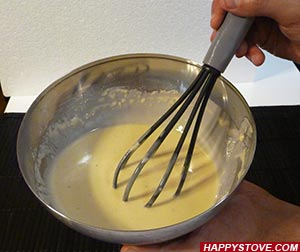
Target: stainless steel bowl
[{"x": 72, "y": 106}]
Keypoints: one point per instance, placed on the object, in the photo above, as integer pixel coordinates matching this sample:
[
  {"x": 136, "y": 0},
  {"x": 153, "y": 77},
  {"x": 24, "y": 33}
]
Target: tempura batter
[{"x": 81, "y": 181}]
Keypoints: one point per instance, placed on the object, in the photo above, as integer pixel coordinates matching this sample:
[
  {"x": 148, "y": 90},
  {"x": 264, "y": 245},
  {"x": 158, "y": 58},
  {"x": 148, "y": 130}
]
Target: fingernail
[
  {"x": 231, "y": 4},
  {"x": 256, "y": 60},
  {"x": 213, "y": 35}
]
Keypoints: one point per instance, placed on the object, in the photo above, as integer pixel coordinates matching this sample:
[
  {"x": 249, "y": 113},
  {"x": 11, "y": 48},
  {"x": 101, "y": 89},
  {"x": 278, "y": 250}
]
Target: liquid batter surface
[{"x": 81, "y": 181}]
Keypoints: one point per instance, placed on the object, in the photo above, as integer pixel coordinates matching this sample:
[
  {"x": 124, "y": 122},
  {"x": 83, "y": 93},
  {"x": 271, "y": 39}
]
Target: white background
[{"x": 43, "y": 40}]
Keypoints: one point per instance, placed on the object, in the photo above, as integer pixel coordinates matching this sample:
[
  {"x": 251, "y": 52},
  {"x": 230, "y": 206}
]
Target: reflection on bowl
[{"x": 132, "y": 89}]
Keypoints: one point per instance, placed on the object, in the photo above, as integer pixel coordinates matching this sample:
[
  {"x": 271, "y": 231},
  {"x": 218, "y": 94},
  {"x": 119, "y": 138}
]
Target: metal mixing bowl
[{"x": 76, "y": 104}]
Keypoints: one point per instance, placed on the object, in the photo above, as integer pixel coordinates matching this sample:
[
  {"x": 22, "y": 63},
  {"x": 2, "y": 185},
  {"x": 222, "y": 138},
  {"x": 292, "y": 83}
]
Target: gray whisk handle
[{"x": 227, "y": 41}]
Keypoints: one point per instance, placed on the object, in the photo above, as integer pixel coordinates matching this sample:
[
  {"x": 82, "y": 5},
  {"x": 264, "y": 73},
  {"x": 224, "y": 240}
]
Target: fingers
[
  {"x": 255, "y": 55},
  {"x": 217, "y": 15},
  {"x": 131, "y": 248},
  {"x": 242, "y": 51},
  {"x": 128, "y": 248},
  {"x": 253, "y": 52},
  {"x": 251, "y": 7},
  {"x": 241, "y": 8},
  {"x": 246, "y": 8},
  {"x": 255, "y": 8}
]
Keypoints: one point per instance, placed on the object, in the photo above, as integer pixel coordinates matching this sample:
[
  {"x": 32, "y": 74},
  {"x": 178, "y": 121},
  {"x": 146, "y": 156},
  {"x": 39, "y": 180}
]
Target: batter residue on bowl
[{"x": 81, "y": 181}]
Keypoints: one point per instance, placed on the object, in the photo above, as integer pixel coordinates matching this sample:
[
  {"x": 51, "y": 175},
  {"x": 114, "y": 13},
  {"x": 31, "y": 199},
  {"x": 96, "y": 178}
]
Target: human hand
[
  {"x": 276, "y": 27},
  {"x": 252, "y": 214}
]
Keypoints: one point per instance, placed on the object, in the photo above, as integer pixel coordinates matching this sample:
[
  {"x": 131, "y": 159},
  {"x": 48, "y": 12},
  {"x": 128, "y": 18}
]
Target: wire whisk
[{"x": 227, "y": 40}]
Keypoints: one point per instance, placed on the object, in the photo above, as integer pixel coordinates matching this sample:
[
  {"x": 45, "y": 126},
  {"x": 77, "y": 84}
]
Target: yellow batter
[{"x": 82, "y": 175}]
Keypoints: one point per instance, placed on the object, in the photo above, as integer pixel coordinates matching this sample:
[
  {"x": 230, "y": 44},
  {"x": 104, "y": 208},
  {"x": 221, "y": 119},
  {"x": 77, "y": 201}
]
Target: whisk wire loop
[
  {"x": 199, "y": 106},
  {"x": 185, "y": 103},
  {"x": 145, "y": 136},
  {"x": 202, "y": 85},
  {"x": 206, "y": 93}
]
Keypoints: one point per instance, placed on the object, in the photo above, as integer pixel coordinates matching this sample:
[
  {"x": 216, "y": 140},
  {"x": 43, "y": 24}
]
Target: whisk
[{"x": 228, "y": 38}]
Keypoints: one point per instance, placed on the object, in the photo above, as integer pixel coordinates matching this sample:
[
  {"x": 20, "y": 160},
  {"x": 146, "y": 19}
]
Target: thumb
[
  {"x": 275, "y": 9},
  {"x": 128, "y": 248}
]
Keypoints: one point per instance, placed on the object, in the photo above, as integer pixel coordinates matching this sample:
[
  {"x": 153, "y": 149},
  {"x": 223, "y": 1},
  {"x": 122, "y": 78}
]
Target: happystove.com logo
[{"x": 249, "y": 246}]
